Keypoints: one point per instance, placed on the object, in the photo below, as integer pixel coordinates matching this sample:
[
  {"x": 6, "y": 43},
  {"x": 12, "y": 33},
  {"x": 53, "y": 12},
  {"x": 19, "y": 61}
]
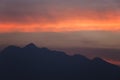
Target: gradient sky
[
  {"x": 59, "y": 15},
  {"x": 61, "y": 23}
]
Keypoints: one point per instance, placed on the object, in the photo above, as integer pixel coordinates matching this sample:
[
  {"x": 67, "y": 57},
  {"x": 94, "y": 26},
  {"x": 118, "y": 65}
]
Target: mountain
[{"x": 41, "y": 63}]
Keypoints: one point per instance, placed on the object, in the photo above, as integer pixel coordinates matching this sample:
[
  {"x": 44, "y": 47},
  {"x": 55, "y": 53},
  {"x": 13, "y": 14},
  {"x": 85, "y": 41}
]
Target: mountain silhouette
[
  {"x": 31, "y": 45},
  {"x": 41, "y": 63}
]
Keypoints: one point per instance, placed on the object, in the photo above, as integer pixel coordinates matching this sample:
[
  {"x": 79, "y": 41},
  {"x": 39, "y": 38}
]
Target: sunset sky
[
  {"x": 61, "y": 23},
  {"x": 59, "y": 15}
]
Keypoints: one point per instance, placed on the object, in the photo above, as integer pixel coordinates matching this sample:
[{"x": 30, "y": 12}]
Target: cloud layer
[{"x": 59, "y": 15}]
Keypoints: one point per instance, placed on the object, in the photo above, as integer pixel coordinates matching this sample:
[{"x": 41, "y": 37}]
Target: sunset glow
[
  {"x": 54, "y": 16},
  {"x": 67, "y": 25}
]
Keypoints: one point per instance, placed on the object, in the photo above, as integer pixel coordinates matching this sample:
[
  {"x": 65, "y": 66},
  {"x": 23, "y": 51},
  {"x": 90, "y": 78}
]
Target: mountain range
[{"x": 43, "y": 64}]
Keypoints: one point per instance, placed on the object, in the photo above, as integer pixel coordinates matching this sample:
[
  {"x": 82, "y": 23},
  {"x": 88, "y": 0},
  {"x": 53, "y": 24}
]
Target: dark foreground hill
[{"x": 44, "y": 64}]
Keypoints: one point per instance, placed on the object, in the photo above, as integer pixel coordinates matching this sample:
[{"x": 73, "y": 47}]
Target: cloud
[
  {"x": 94, "y": 39},
  {"x": 56, "y": 15},
  {"x": 29, "y": 10},
  {"x": 22, "y": 11}
]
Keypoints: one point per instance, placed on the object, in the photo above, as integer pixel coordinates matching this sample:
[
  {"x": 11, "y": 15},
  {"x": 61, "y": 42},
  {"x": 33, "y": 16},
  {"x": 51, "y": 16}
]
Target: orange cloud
[{"x": 64, "y": 21}]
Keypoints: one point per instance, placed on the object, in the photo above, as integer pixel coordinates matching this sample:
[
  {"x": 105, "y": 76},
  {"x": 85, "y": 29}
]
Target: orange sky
[
  {"x": 57, "y": 16},
  {"x": 62, "y": 21},
  {"x": 65, "y": 25}
]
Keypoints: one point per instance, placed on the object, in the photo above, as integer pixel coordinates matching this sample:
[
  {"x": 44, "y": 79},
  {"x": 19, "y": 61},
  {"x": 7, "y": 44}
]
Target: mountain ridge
[{"x": 34, "y": 61}]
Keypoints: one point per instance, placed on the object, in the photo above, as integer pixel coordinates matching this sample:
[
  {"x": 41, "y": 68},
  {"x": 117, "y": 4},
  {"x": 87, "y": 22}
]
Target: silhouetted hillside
[{"x": 44, "y": 64}]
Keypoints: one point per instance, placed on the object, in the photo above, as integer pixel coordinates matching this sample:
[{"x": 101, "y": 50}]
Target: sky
[
  {"x": 59, "y": 15},
  {"x": 61, "y": 24}
]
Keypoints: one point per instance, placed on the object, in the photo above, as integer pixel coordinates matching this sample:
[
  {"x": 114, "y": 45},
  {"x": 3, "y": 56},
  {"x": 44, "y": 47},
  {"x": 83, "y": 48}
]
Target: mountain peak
[
  {"x": 31, "y": 45},
  {"x": 11, "y": 48},
  {"x": 97, "y": 59}
]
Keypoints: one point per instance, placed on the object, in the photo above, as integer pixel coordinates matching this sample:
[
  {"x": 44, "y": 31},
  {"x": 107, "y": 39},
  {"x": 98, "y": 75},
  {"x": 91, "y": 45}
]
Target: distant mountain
[
  {"x": 112, "y": 55},
  {"x": 44, "y": 64}
]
